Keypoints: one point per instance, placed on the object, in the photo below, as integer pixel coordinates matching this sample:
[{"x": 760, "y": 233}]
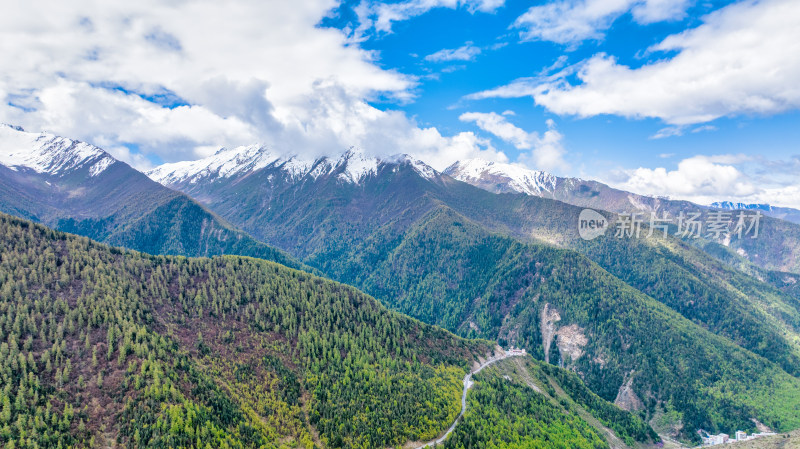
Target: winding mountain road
[{"x": 467, "y": 384}]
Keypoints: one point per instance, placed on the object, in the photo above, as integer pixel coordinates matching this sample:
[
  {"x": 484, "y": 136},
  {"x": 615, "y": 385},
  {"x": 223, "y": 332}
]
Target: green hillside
[
  {"x": 104, "y": 347},
  {"x": 690, "y": 337},
  {"x": 524, "y": 403},
  {"x": 449, "y": 271},
  {"x": 101, "y": 345}
]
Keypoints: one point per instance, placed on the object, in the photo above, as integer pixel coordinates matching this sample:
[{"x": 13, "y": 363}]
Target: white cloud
[
  {"x": 521, "y": 87},
  {"x": 669, "y": 131},
  {"x": 381, "y": 16},
  {"x": 679, "y": 130},
  {"x": 531, "y": 85},
  {"x": 124, "y": 154},
  {"x": 466, "y": 52},
  {"x": 706, "y": 179},
  {"x": 704, "y": 128},
  {"x": 788, "y": 196},
  {"x": 109, "y": 118},
  {"x": 546, "y": 152},
  {"x": 232, "y": 72},
  {"x": 652, "y": 11},
  {"x": 498, "y": 125},
  {"x": 696, "y": 176},
  {"x": 331, "y": 116},
  {"x": 739, "y": 61},
  {"x": 572, "y": 21}
]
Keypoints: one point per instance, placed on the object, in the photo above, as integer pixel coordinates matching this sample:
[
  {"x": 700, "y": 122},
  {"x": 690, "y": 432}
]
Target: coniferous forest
[
  {"x": 106, "y": 347},
  {"x": 101, "y": 345}
]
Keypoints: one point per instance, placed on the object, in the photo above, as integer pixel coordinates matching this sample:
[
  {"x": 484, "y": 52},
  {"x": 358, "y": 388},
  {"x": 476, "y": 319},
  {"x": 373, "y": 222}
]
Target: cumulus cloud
[
  {"x": 694, "y": 177},
  {"x": 572, "y": 21},
  {"x": 331, "y": 116},
  {"x": 736, "y": 62},
  {"x": 176, "y": 79},
  {"x": 466, "y": 52},
  {"x": 544, "y": 152},
  {"x": 706, "y": 179},
  {"x": 110, "y": 118}
]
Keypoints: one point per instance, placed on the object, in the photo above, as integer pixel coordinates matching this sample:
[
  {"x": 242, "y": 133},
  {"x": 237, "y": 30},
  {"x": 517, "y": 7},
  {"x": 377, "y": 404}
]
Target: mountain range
[
  {"x": 510, "y": 178},
  {"x": 79, "y": 188},
  {"x": 482, "y": 265},
  {"x": 123, "y": 348},
  {"x": 784, "y": 213},
  {"x": 683, "y": 333},
  {"x": 778, "y": 250}
]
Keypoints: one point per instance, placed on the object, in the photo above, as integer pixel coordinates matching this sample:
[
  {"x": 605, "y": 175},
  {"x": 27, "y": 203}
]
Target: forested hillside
[
  {"x": 334, "y": 225},
  {"x": 752, "y": 313},
  {"x": 525, "y": 403},
  {"x": 561, "y": 306},
  {"x": 104, "y": 347},
  {"x": 435, "y": 248},
  {"x": 101, "y": 345}
]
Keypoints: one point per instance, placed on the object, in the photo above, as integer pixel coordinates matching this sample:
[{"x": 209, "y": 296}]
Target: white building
[
  {"x": 713, "y": 440},
  {"x": 723, "y": 438}
]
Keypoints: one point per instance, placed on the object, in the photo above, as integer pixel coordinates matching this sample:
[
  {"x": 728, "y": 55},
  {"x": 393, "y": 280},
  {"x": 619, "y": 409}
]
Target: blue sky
[
  {"x": 690, "y": 99},
  {"x": 490, "y": 49}
]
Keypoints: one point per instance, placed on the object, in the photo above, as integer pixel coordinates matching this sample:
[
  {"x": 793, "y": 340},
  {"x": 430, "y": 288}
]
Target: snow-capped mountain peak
[
  {"x": 512, "y": 178},
  {"x": 423, "y": 169},
  {"x": 357, "y": 165},
  {"x": 352, "y": 166},
  {"x": 225, "y": 163},
  {"x": 730, "y": 205},
  {"x": 49, "y": 154}
]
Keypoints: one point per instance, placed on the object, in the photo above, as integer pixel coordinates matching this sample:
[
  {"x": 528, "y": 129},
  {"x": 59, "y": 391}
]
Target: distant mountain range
[
  {"x": 430, "y": 246},
  {"x": 777, "y": 248},
  {"x": 784, "y": 213},
  {"x": 509, "y": 178},
  {"x": 79, "y": 188},
  {"x": 687, "y": 333}
]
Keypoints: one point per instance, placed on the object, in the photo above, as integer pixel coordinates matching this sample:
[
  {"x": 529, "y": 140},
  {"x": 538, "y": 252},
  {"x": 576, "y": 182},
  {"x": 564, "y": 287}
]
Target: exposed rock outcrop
[{"x": 549, "y": 318}]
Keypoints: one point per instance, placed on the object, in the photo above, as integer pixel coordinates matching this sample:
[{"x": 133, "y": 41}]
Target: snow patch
[
  {"x": 46, "y": 153},
  {"x": 225, "y": 163},
  {"x": 423, "y": 169},
  {"x": 357, "y": 165},
  {"x": 101, "y": 166},
  {"x": 516, "y": 178}
]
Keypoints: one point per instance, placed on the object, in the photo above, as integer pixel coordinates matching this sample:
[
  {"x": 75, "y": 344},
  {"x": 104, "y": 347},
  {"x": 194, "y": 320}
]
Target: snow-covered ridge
[
  {"x": 353, "y": 166},
  {"x": 423, "y": 169},
  {"x": 730, "y": 205},
  {"x": 516, "y": 178},
  {"x": 46, "y": 153},
  {"x": 356, "y": 165},
  {"x": 224, "y": 163}
]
